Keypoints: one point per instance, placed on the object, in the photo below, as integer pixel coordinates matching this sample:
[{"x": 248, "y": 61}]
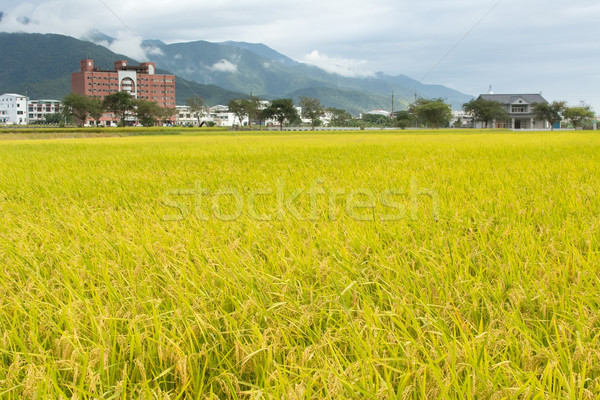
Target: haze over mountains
[{"x": 41, "y": 64}]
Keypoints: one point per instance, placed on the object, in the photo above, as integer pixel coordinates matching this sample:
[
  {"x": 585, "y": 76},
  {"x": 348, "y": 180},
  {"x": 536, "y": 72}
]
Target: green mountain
[
  {"x": 258, "y": 69},
  {"x": 41, "y": 66},
  {"x": 263, "y": 51},
  {"x": 348, "y": 99}
]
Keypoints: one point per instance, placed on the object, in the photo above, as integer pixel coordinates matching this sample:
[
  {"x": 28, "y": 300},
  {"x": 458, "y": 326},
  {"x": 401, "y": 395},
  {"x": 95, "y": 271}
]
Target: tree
[
  {"x": 167, "y": 115},
  {"x": 339, "y": 117},
  {"x": 119, "y": 103},
  {"x": 578, "y": 115},
  {"x": 551, "y": 112},
  {"x": 197, "y": 106},
  {"x": 148, "y": 112},
  {"x": 403, "y": 119},
  {"x": 96, "y": 108},
  {"x": 239, "y": 107},
  {"x": 433, "y": 112},
  {"x": 53, "y": 119},
  {"x": 255, "y": 109},
  {"x": 311, "y": 109},
  {"x": 77, "y": 106},
  {"x": 281, "y": 110},
  {"x": 485, "y": 111},
  {"x": 375, "y": 119}
]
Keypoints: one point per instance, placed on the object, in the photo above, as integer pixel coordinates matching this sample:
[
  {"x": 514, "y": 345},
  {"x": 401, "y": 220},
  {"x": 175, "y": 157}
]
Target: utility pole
[{"x": 392, "y": 103}]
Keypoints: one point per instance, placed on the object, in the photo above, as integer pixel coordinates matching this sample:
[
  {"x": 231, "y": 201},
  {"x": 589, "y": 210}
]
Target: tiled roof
[{"x": 513, "y": 98}]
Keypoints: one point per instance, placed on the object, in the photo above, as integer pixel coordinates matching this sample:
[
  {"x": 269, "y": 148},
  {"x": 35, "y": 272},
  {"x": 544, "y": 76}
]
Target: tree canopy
[
  {"x": 95, "y": 108},
  {"x": 197, "y": 106},
  {"x": 375, "y": 119},
  {"x": 339, "y": 117},
  {"x": 579, "y": 115},
  {"x": 77, "y": 106},
  {"x": 281, "y": 110},
  {"x": 311, "y": 109},
  {"x": 551, "y": 112},
  {"x": 403, "y": 119},
  {"x": 255, "y": 109},
  {"x": 119, "y": 103},
  {"x": 485, "y": 111},
  {"x": 240, "y": 108},
  {"x": 435, "y": 112},
  {"x": 80, "y": 108},
  {"x": 148, "y": 112}
]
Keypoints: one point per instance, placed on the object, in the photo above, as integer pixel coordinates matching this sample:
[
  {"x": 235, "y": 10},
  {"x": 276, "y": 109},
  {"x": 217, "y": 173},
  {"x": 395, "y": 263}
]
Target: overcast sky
[{"x": 517, "y": 46}]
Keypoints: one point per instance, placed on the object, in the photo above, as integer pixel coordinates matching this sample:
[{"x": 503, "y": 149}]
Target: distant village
[{"x": 141, "y": 82}]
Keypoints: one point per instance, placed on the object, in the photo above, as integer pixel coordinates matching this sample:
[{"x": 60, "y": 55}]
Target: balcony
[{"x": 519, "y": 109}]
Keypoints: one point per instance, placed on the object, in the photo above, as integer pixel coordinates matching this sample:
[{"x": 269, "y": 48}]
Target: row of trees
[
  {"x": 433, "y": 113},
  {"x": 280, "y": 110},
  {"x": 557, "y": 111},
  {"x": 81, "y": 108},
  {"x": 252, "y": 108}
]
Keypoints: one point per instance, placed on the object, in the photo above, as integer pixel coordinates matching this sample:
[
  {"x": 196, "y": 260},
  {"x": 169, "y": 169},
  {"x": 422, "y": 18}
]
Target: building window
[{"x": 518, "y": 109}]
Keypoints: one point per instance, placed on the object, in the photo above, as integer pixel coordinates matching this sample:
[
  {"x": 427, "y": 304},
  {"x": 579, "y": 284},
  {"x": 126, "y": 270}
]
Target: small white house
[
  {"x": 461, "y": 118},
  {"x": 13, "y": 109},
  {"x": 218, "y": 114},
  {"x": 221, "y": 116},
  {"x": 185, "y": 116}
]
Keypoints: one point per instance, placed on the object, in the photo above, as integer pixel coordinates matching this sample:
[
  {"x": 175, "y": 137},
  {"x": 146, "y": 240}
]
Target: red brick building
[{"x": 140, "y": 81}]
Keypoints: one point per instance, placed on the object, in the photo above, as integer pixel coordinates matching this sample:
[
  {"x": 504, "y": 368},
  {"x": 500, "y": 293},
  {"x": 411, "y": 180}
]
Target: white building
[
  {"x": 461, "y": 119},
  {"x": 219, "y": 115},
  {"x": 13, "y": 109},
  {"x": 185, "y": 116},
  {"x": 38, "y": 109},
  {"x": 519, "y": 108}
]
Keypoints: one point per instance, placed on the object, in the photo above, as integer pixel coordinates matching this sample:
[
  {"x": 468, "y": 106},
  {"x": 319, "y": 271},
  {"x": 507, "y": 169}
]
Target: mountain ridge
[
  {"x": 59, "y": 55},
  {"x": 258, "y": 69},
  {"x": 216, "y": 71}
]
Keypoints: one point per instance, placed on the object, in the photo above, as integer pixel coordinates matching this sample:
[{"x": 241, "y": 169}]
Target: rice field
[{"x": 379, "y": 265}]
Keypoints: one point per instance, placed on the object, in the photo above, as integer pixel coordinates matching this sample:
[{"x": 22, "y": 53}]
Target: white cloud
[
  {"x": 128, "y": 44},
  {"x": 342, "y": 66},
  {"x": 223, "y": 66},
  {"x": 154, "y": 51}
]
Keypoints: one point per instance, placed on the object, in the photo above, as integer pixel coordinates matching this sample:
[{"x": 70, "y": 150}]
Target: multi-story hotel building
[{"x": 140, "y": 81}]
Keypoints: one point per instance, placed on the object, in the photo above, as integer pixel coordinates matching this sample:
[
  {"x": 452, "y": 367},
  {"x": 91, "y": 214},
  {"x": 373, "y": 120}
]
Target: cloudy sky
[{"x": 517, "y": 46}]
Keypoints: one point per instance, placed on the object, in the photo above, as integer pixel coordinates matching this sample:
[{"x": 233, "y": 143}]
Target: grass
[{"x": 129, "y": 273}]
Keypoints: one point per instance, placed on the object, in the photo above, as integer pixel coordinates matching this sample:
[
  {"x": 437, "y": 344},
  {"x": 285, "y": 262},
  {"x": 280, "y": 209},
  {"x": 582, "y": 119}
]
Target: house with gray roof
[{"x": 519, "y": 108}]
